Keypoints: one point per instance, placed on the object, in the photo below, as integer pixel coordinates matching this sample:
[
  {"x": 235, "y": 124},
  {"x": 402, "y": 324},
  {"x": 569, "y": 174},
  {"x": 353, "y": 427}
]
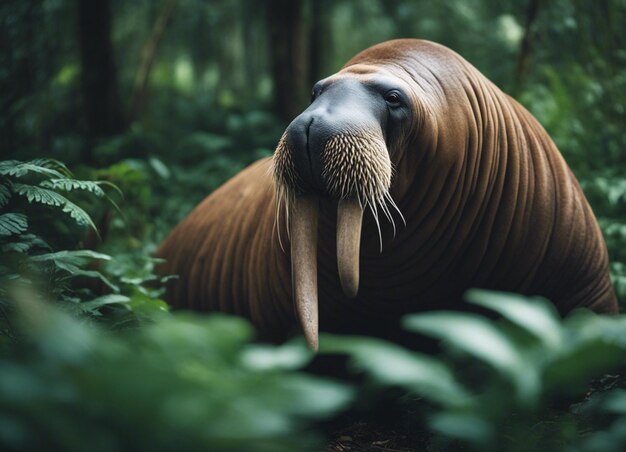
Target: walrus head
[{"x": 344, "y": 147}]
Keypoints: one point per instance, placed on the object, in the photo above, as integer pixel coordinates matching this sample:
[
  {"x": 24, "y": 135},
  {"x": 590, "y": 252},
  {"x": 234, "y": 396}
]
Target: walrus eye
[
  {"x": 315, "y": 91},
  {"x": 393, "y": 98}
]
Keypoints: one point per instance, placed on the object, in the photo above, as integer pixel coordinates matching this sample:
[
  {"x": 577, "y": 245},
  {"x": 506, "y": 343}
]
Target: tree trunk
[
  {"x": 288, "y": 48},
  {"x": 103, "y": 111},
  {"x": 320, "y": 38},
  {"x": 147, "y": 59},
  {"x": 526, "y": 46}
]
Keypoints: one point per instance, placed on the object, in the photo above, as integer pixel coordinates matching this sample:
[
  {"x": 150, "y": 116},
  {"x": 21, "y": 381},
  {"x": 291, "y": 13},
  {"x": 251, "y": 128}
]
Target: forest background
[{"x": 152, "y": 105}]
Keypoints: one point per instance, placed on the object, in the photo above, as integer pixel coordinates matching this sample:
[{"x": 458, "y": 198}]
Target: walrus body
[{"x": 487, "y": 199}]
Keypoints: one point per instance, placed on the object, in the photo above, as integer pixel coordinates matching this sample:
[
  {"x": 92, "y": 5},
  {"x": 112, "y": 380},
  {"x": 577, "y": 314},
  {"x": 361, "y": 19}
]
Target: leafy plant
[
  {"x": 39, "y": 218},
  {"x": 507, "y": 385},
  {"x": 184, "y": 382}
]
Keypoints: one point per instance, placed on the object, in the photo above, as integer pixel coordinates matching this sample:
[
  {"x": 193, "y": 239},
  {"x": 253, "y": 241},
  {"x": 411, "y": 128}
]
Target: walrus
[{"x": 409, "y": 179}]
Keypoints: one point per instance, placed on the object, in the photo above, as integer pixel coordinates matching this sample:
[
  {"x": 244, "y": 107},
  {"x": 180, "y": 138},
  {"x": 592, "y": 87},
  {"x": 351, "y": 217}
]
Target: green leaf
[
  {"x": 5, "y": 195},
  {"x": 76, "y": 256},
  {"x": 465, "y": 426},
  {"x": 94, "y": 305},
  {"x": 292, "y": 355},
  {"x": 26, "y": 242},
  {"x": 393, "y": 365},
  {"x": 12, "y": 223},
  {"x": 16, "y": 168},
  {"x": 570, "y": 372},
  {"x": 72, "y": 261},
  {"x": 616, "y": 402},
  {"x": 159, "y": 167},
  {"x": 310, "y": 396},
  {"x": 79, "y": 215},
  {"x": 73, "y": 184},
  {"x": 75, "y": 272},
  {"x": 478, "y": 337},
  {"x": 52, "y": 164},
  {"x": 48, "y": 197},
  {"x": 535, "y": 315},
  {"x": 40, "y": 195}
]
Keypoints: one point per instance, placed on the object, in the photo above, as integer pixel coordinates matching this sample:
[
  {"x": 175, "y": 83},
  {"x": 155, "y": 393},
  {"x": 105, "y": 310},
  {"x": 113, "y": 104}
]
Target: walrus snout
[
  {"x": 305, "y": 139},
  {"x": 340, "y": 132},
  {"x": 335, "y": 148}
]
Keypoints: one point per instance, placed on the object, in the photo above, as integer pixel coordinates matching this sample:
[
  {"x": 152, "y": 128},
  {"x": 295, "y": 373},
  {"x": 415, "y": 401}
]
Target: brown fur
[{"x": 487, "y": 197}]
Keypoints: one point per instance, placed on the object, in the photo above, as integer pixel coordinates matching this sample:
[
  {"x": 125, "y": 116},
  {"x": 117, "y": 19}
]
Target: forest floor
[{"x": 369, "y": 436}]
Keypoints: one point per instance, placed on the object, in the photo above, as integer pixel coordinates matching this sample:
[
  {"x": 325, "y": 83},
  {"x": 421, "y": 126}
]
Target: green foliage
[
  {"x": 517, "y": 384},
  {"x": 12, "y": 223},
  {"x": 53, "y": 175},
  {"x": 28, "y": 239},
  {"x": 181, "y": 383},
  {"x": 511, "y": 384}
]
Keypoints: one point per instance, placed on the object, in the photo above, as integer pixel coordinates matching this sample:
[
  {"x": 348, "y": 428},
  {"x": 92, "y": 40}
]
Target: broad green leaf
[
  {"x": 309, "y": 396},
  {"x": 584, "y": 325},
  {"x": 537, "y": 316},
  {"x": 74, "y": 256},
  {"x": 104, "y": 300},
  {"x": 616, "y": 402},
  {"x": 12, "y": 224},
  {"x": 570, "y": 372},
  {"x": 465, "y": 426},
  {"x": 393, "y": 365},
  {"x": 74, "y": 272},
  {"x": 480, "y": 338},
  {"x": 159, "y": 167},
  {"x": 72, "y": 261},
  {"x": 292, "y": 355}
]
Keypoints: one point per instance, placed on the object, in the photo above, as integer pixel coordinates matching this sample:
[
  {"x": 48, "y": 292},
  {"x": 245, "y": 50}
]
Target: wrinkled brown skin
[{"x": 488, "y": 199}]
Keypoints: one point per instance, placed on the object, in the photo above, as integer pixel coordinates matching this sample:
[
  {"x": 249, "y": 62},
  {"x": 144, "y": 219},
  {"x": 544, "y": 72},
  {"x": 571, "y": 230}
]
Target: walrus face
[{"x": 341, "y": 147}]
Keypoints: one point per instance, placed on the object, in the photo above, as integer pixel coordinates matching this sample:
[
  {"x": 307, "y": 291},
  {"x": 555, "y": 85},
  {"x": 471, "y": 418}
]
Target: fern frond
[
  {"x": 16, "y": 168},
  {"x": 79, "y": 215},
  {"x": 12, "y": 223},
  {"x": 48, "y": 197},
  {"x": 71, "y": 262},
  {"x": 52, "y": 164},
  {"x": 5, "y": 195},
  {"x": 26, "y": 243},
  {"x": 40, "y": 195},
  {"x": 73, "y": 184}
]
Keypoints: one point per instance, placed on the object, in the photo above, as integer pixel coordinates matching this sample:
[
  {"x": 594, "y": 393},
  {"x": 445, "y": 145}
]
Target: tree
[
  {"x": 101, "y": 101},
  {"x": 289, "y": 53}
]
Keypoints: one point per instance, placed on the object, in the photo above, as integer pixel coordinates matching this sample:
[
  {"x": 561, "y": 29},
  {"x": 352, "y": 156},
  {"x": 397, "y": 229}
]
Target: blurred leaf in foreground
[{"x": 183, "y": 382}]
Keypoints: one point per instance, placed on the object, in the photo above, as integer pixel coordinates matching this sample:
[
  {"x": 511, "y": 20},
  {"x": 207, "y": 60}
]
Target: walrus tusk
[
  {"x": 349, "y": 220},
  {"x": 304, "y": 265}
]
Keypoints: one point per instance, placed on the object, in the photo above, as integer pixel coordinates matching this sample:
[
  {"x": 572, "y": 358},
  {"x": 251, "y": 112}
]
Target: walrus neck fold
[
  {"x": 304, "y": 265},
  {"x": 349, "y": 221}
]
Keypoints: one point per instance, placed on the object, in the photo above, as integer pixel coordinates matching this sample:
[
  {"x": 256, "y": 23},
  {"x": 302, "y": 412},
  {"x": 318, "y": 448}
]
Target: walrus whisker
[
  {"x": 281, "y": 202},
  {"x": 395, "y": 206},
  {"x": 385, "y": 209},
  {"x": 374, "y": 211}
]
